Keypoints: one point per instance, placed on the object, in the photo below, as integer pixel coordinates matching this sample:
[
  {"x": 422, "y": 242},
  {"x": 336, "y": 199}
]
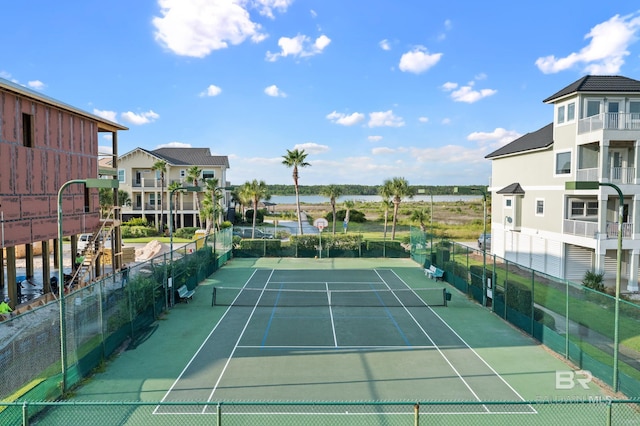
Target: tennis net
[{"x": 229, "y": 296}]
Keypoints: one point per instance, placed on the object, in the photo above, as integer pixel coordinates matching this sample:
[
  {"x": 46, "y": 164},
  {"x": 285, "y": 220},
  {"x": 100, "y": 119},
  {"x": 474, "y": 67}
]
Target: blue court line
[
  {"x": 273, "y": 314},
  {"x": 393, "y": 320}
]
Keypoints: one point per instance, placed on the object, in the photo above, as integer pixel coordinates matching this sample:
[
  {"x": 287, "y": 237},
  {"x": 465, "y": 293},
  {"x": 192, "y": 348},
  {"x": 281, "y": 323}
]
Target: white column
[
  {"x": 636, "y": 162},
  {"x": 604, "y": 160},
  {"x": 634, "y": 261}
]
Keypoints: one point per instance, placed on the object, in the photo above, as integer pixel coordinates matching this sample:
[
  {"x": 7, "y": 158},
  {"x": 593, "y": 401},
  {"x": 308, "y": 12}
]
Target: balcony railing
[
  {"x": 583, "y": 228},
  {"x": 147, "y": 183},
  {"x": 610, "y": 121},
  {"x": 623, "y": 175},
  {"x": 612, "y": 230},
  {"x": 185, "y": 206}
]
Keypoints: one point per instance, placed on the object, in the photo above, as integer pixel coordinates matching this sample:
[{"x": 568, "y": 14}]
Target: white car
[
  {"x": 83, "y": 241},
  {"x": 484, "y": 241}
]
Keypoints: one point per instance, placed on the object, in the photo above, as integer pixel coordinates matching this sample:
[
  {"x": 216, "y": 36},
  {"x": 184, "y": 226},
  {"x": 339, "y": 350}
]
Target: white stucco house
[
  {"x": 536, "y": 222},
  {"x": 144, "y": 185}
]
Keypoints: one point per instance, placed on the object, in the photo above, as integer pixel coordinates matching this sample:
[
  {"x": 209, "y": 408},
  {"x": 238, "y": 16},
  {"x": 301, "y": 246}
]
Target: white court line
[
  {"x": 469, "y": 347},
  {"x": 364, "y": 347},
  {"x": 226, "y": 364},
  {"x": 200, "y": 348},
  {"x": 333, "y": 326},
  {"x": 434, "y": 344}
]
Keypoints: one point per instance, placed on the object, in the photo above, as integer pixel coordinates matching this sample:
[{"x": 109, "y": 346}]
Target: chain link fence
[
  {"x": 571, "y": 319},
  {"x": 522, "y": 413},
  {"x": 97, "y": 319}
]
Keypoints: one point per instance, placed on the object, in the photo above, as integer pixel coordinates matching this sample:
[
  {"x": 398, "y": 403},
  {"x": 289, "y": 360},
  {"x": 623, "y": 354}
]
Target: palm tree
[
  {"x": 385, "y": 193},
  {"x": 256, "y": 190},
  {"x": 161, "y": 167},
  {"x": 332, "y": 192},
  {"x": 348, "y": 205},
  {"x": 295, "y": 159},
  {"x": 210, "y": 186},
  {"x": 173, "y": 187},
  {"x": 398, "y": 187},
  {"x": 420, "y": 216},
  {"x": 193, "y": 175}
]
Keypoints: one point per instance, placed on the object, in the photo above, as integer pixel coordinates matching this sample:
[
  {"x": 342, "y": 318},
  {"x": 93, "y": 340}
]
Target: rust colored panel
[
  {"x": 6, "y": 171},
  {"x": 10, "y": 207},
  {"x": 51, "y": 170},
  {"x": 44, "y": 229},
  {"x": 34, "y": 206},
  {"x": 40, "y": 126},
  {"x": 18, "y": 232},
  {"x": 38, "y": 178},
  {"x": 9, "y": 130},
  {"x": 54, "y": 128}
]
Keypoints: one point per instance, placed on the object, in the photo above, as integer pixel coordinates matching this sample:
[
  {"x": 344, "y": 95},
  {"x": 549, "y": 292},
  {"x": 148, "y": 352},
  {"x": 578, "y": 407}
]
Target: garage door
[{"x": 578, "y": 260}]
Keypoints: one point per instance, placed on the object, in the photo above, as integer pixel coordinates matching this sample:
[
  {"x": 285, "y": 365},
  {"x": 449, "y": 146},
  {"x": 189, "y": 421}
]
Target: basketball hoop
[{"x": 320, "y": 227}]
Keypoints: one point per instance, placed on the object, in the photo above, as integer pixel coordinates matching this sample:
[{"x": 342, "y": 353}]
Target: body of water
[{"x": 319, "y": 199}]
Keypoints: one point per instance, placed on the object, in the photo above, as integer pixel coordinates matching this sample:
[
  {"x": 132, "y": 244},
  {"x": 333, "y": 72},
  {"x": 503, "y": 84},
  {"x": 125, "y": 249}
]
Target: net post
[
  {"x": 416, "y": 414},
  {"x": 213, "y": 296}
]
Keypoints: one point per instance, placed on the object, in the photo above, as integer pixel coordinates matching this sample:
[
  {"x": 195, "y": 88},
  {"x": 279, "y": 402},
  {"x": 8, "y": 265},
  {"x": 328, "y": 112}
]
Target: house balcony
[
  {"x": 583, "y": 228},
  {"x": 610, "y": 121},
  {"x": 621, "y": 175},
  {"x": 151, "y": 208},
  {"x": 147, "y": 183}
]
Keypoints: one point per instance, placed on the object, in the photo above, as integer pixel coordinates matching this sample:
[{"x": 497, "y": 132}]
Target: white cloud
[
  {"x": 467, "y": 93},
  {"x": 266, "y": 6},
  {"x": 139, "y": 119},
  {"x": 274, "y": 91},
  {"x": 445, "y": 121},
  {"x": 418, "y": 60},
  {"x": 312, "y": 148},
  {"x": 197, "y": 27},
  {"x": 494, "y": 140},
  {"x": 449, "y": 154},
  {"x": 605, "y": 52},
  {"x": 384, "y": 44},
  {"x": 36, "y": 84},
  {"x": 174, "y": 145},
  {"x": 344, "y": 119},
  {"x": 313, "y": 13},
  {"x": 107, "y": 115},
  {"x": 385, "y": 119},
  {"x": 423, "y": 119},
  {"x": 374, "y": 138},
  {"x": 212, "y": 90},
  {"x": 383, "y": 150},
  {"x": 299, "y": 46}
]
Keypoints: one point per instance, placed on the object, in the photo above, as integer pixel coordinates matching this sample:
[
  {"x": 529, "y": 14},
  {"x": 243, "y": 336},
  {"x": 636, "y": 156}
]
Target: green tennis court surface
[
  {"x": 352, "y": 334},
  {"x": 299, "y": 331}
]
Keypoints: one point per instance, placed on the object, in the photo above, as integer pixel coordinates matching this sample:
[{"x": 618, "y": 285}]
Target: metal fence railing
[
  {"x": 573, "y": 320},
  {"x": 523, "y": 413},
  {"x": 97, "y": 319}
]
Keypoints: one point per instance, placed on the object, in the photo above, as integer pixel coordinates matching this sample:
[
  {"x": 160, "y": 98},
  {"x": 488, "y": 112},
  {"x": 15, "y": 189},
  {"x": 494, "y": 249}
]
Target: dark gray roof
[
  {"x": 598, "y": 83},
  {"x": 190, "y": 157},
  {"x": 539, "y": 139},
  {"x": 512, "y": 189}
]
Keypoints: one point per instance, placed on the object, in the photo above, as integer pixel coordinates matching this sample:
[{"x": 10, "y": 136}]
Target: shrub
[
  {"x": 136, "y": 221},
  {"x": 226, "y": 224},
  {"x": 259, "y": 216},
  {"x": 594, "y": 281},
  {"x": 186, "y": 232},
  {"x": 138, "y": 231},
  {"x": 354, "y": 216}
]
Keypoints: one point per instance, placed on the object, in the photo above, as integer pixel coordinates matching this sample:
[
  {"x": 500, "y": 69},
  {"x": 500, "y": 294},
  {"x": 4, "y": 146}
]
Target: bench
[
  {"x": 185, "y": 294},
  {"x": 434, "y": 273}
]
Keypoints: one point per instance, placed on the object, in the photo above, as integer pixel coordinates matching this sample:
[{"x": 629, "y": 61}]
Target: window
[
  {"x": 584, "y": 209},
  {"x": 208, "y": 174},
  {"x": 634, "y": 110},
  {"x": 27, "y": 130},
  {"x": 571, "y": 111},
  {"x": 563, "y": 163},
  {"x": 121, "y": 175},
  {"x": 539, "y": 207},
  {"x": 593, "y": 108},
  {"x": 183, "y": 173},
  {"x": 561, "y": 114},
  {"x": 152, "y": 199},
  {"x": 507, "y": 202}
]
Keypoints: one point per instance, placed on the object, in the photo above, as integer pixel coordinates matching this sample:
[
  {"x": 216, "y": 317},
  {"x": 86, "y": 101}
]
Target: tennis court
[{"x": 336, "y": 335}]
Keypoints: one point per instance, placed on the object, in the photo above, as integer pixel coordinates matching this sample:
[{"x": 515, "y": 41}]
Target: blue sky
[{"x": 370, "y": 90}]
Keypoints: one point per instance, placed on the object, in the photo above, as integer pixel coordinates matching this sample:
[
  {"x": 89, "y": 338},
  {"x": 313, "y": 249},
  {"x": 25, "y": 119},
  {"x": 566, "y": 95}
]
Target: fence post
[
  {"x": 25, "y": 414},
  {"x": 219, "y": 415},
  {"x": 416, "y": 414},
  {"x": 533, "y": 300},
  {"x": 566, "y": 320}
]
